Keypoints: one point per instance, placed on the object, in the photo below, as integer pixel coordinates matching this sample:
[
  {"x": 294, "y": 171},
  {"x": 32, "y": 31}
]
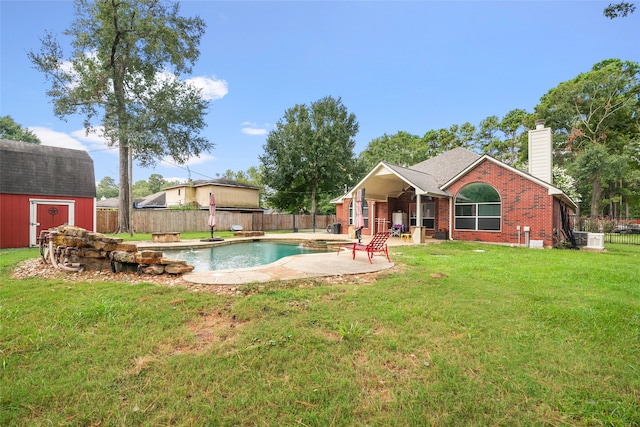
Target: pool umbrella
[
  {"x": 359, "y": 214},
  {"x": 212, "y": 212}
]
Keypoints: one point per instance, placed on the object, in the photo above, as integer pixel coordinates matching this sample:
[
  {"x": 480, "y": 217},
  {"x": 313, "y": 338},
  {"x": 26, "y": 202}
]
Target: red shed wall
[
  {"x": 524, "y": 203},
  {"x": 15, "y": 217}
]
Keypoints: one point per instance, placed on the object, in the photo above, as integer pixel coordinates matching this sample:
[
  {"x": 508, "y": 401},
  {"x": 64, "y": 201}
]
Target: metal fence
[
  {"x": 630, "y": 238},
  {"x": 167, "y": 220},
  {"x": 615, "y": 231}
]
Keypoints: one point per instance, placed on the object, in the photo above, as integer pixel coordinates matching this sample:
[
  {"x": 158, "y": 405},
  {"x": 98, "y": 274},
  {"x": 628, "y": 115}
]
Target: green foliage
[
  {"x": 353, "y": 332},
  {"x": 107, "y": 188},
  {"x": 191, "y": 206},
  {"x": 123, "y": 75},
  {"x": 11, "y": 130},
  {"x": 310, "y": 152},
  {"x": 619, "y": 10},
  {"x": 506, "y": 139},
  {"x": 406, "y": 150},
  {"x": 597, "y": 113},
  {"x": 401, "y": 149}
]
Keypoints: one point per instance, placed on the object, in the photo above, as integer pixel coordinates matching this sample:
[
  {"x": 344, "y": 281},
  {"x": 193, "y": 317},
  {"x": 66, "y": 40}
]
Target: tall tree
[
  {"x": 441, "y": 140},
  {"x": 107, "y": 188},
  {"x": 9, "y": 129},
  {"x": 505, "y": 139},
  {"x": 310, "y": 151},
  {"x": 597, "y": 112},
  {"x": 157, "y": 183},
  {"x": 123, "y": 75},
  {"x": 402, "y": 149}
]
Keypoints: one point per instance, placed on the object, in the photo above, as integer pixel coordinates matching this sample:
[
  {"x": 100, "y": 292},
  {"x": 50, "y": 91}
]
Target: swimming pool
[{"x": 238, "y": 255}]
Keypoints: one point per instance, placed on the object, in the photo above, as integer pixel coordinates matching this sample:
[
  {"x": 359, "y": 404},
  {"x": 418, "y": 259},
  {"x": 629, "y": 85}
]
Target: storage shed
[{"x": 43, "y": 187}]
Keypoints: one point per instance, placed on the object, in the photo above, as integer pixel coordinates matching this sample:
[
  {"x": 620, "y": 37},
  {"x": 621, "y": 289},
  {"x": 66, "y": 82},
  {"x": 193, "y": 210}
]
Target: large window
[
  {"x": 365, "y": 211},
  {"x": 478, "y": 207}
]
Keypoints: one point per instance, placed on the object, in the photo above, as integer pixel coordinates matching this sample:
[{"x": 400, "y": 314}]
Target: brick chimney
[{"x": 540, "y": 152}]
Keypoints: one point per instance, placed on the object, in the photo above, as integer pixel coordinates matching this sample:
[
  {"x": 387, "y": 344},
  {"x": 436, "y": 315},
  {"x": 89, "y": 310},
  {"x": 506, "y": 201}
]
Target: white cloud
[
  {"x": 203, "y": 159},
  {"x": 253, "y": 131},
  {"x": 211, "y": 87},
  {"x": 251, "y": 128},
  {"x": 57, "y": 139},
  {"x": 94, "y": 140}
]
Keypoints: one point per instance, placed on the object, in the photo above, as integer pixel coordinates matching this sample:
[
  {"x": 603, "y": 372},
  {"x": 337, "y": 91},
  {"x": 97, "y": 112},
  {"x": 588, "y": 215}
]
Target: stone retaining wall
[{"x": 75, "y": 246}]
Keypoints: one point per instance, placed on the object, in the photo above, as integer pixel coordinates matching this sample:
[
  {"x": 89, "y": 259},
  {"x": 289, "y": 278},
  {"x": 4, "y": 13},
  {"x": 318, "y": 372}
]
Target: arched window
[
  {"x": 478, "y": 207},
  {"x": 365, "y": 211}
]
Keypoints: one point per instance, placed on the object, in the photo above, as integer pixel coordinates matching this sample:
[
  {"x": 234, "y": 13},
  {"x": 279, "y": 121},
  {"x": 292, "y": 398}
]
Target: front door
[{"x": 46, "y": 214}]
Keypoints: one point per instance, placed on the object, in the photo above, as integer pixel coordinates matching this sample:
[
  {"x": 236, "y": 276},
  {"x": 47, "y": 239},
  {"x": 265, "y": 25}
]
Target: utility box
[
  {"x": 595, "y": 241},
  {"x": 581, "y": 237}
]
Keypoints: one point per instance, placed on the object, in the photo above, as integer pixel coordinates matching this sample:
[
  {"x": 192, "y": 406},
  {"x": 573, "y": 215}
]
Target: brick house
[{"x": 461, "y": 195}]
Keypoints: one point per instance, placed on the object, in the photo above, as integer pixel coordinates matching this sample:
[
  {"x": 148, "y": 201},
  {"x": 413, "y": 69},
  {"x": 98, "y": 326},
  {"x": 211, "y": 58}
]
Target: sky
[{"x": 397, "y": 66}]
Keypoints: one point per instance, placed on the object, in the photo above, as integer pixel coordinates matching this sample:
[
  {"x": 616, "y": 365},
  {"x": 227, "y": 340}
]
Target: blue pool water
[{"x": 237, "y": 255}]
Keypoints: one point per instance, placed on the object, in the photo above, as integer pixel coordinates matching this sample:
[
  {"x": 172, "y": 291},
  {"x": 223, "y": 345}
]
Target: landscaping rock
[{"x": 75, "y": 246}]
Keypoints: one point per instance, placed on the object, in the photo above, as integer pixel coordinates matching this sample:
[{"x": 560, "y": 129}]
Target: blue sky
[{"x": 397, "y": 65}]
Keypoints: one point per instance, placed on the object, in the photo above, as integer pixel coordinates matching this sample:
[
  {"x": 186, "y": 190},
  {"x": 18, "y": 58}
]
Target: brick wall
[{"x": 524, "y": 203}]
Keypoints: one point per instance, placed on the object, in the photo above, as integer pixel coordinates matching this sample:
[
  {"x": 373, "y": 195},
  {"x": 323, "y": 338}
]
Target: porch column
[
  {"x": 417, "y": 231},
  {"x": 372, "y": 215}
]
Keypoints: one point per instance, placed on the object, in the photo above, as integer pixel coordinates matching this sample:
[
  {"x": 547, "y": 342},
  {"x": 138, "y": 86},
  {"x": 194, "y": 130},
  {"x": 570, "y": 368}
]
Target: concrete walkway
[{"x": 292, "y": 267}]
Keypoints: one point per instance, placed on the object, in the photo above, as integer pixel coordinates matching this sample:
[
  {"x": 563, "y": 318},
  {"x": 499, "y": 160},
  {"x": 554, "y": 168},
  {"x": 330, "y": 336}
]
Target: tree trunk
[
  {"x": 596, "y": 194},
  {"x": 124, "y": 202},
  {"x": 313, "y": 199}
]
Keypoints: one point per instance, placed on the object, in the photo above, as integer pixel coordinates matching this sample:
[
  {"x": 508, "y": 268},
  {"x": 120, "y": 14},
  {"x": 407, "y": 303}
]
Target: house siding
[
  {"x": 226, "y": 196},
  {"x": 524, "y": 203},
  {"x": 15, "y": 217}
]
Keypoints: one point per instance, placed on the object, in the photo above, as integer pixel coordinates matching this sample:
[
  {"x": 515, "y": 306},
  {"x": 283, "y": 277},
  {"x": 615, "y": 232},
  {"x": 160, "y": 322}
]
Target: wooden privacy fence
[{"x": 162, "y": 220}]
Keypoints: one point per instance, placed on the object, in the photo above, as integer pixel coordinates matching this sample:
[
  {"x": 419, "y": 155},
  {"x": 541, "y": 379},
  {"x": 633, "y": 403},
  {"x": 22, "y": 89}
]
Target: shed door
[{"x": 46, "y": 214}]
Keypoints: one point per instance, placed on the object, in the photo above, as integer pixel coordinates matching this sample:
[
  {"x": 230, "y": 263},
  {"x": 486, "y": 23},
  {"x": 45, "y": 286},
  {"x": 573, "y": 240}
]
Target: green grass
[{"x": 465, "y": 334}]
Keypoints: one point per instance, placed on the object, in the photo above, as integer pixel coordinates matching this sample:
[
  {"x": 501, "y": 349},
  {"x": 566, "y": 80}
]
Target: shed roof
[{"x": 27, "y": 168}]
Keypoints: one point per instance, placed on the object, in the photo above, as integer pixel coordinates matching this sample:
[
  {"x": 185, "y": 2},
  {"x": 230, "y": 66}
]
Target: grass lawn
[{"x": 463, "y": 334}]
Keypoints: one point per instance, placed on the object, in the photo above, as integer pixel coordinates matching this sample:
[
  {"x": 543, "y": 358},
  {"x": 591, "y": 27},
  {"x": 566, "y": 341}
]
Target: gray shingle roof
[
  {"x": 420, "y": 180},
  {"x": 27, "y": 168},
  {"x": 155, "y": 200},
  {"x": 445, "y": 166}
]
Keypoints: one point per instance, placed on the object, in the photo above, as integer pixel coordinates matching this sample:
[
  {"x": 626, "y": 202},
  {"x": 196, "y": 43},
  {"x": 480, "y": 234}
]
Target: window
[
  {"x": 428, "y": 215},
  {"x": 478, "y": 207},
  {"x": 365, "y": 212}
]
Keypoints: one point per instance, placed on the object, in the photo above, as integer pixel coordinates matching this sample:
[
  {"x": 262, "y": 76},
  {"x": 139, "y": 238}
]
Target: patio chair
[
  {"x": 378, "y": 244},
  {"x": 396, "y": 230}
]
